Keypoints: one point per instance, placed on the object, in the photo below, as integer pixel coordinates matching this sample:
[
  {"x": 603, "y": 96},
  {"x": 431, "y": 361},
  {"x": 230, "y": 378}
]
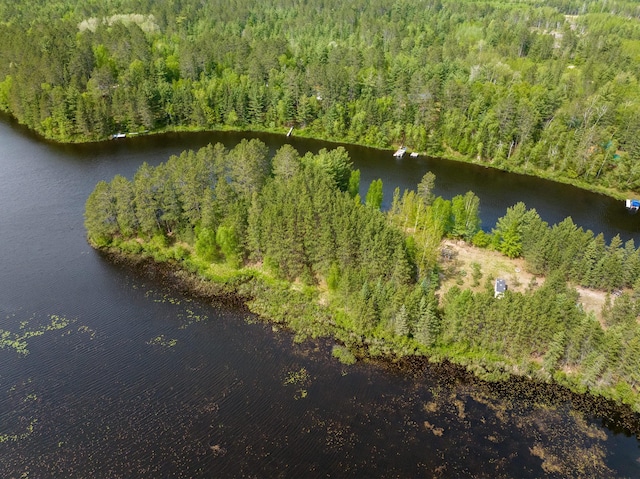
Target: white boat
[
  {"x": 633, "y": 205},
  {"x": 400, "y": 153},
  {"x": 414, "y": 154}
]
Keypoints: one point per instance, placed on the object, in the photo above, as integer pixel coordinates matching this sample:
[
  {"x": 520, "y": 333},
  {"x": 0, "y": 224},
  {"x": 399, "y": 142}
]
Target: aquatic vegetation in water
[
  {"x": 162, "y": 341},
  {"x": 13, "y": 341},
  {"x": 251, "y": 320},
  {"x": 437, "y": 431},
  {"x": 191, "y": 317},
  {"x": 18, "y": 437},
  {"x": 566, "y": 448},
  {"x": 218, "y": 450},
  {"x": 162, "y": 298},
  {"x": 18, "y": 420},
  {"x": 88, "y": 330},
  {"x": 338, "y": 435},
  {"x": 299, "y": 378},
  {"x": 188, "y": 314},
  {"x": 18, "y": 341}
]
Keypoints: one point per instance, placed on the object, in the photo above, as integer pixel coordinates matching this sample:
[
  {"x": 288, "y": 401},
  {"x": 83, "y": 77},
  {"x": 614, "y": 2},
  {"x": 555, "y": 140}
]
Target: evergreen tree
[
  {"x": 555, "y": 352},
  {"x": 336, "y": 164},
  {"x": 401, "y": 322},
  {"x": 612, "y": 268},
  {"x": 228, "y": 242},
  {"x": 122, "y": 190},
  {"x": 511, "y": 244},
  {"x": 374, "y": 194},
  {"x": 354, "y": 183},
  {"x": 466, "y": 219},
  {"x": 286, "y": 162},
  {"x": 250, "y": 166},
  {"x": 100, "y": 218},
  {"x": 426, "y": 188},
  {"x": 428, "y": 324},
  {"x": 146, "y": 201}
]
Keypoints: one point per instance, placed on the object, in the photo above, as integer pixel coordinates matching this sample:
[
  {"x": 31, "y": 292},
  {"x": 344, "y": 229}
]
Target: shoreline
[
  {"x": 301, "y": 132},
  {"x": 616, "y": 415}
]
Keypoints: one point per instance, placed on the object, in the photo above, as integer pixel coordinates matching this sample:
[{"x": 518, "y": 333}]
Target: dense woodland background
[
  {"x": 546, "y": 87},
  {"x": 292, "y": 234}
]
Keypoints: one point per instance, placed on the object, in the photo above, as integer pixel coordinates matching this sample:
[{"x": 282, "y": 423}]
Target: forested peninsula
[
  {"x": 292, "y": 237},
  {"x": 548, "y": 88}
]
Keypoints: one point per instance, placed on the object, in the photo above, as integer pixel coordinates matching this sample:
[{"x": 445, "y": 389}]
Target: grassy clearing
[{"x": 459, "y": 271}]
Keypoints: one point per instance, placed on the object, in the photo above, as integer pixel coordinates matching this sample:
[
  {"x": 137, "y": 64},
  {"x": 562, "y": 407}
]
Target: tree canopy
[
  {"x": 547, "y": 88},
  {"x": 373, "y": 277}
]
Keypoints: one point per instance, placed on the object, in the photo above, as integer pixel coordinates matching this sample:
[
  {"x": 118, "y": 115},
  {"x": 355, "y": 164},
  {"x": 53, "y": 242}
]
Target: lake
[{"x": 107, "y": 372}]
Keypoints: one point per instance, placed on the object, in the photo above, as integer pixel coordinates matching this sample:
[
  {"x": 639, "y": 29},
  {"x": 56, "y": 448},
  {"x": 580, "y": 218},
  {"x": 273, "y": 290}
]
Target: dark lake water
[{"x": 108, "y": 373}]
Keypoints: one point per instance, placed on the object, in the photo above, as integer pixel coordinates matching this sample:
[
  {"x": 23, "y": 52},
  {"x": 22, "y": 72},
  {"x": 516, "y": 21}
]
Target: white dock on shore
[{"x": 400, "y": 153}]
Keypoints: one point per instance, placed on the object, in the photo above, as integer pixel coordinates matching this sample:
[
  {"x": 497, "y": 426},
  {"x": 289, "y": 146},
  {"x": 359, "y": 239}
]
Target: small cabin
[{"x": 499, "y": 288}]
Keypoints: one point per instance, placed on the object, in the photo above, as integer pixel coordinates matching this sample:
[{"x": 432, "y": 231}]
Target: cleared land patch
[{"x": 458, "y": 258}]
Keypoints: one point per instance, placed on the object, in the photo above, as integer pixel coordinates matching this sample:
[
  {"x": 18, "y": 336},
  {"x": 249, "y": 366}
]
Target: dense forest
[
  {"x": 544, "y": 87},
  {"x": 292, "y": 236}
]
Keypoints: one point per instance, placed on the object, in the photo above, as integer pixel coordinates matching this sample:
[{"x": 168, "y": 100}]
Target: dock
[{"x": 400, "y": 153}]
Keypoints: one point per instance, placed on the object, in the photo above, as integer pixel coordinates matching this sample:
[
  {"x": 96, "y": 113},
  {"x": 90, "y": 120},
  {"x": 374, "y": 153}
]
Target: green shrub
[
  {"x": 206, "y": 247},
  {"x": 343, "y": 355}
]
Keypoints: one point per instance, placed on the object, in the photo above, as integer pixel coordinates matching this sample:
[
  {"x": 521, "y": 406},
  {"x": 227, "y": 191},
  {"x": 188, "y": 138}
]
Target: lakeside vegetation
[
  {"x": 292, "y": 237},
  {"x": 546, "y": 88}
]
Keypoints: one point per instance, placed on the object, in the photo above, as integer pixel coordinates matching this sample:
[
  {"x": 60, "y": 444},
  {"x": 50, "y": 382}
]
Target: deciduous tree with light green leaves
[{"x": 374, "y": 195}]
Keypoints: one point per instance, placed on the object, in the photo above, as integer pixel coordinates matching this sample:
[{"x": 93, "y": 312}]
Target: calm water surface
[{"x": 108, "y": 373}]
